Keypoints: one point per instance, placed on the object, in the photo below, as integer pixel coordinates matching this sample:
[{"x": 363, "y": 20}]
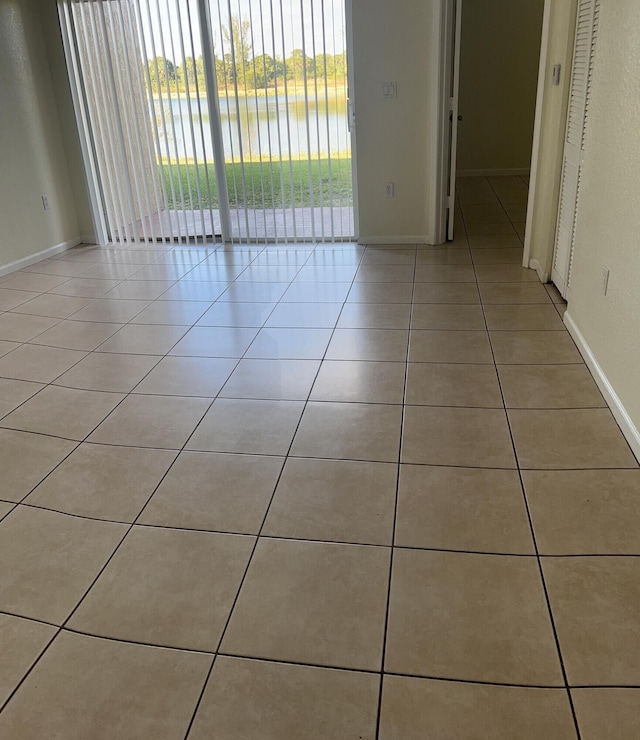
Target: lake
[{"x": 255, "y": 124}]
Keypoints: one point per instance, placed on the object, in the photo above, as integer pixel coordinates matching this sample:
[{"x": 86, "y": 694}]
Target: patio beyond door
[{"x": 212, "y": 118}]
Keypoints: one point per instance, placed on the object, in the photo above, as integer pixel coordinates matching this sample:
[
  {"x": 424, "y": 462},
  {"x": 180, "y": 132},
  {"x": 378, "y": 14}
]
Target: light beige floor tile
[
  {"x": 151, "y": 692},
  {"x": 17, "y": 327},
  {"x": 462, "y": 509},
  {"x": 55, "y": 306},
  {"x": 105, "y": 372},
  {"x": 272, "y": 379},
  {"x": 152, "y": 421},
  {"x": 554, "y": 294},
  {"x": 6, "y": 347},
  {"x": 460, "y": 293},
  {"x": 375, "y": 316},
  {"x": 167, "y": 587},
  {"x": 591, "y": 512},
  {"x": 450, "y": 347},
  {"x": 218, "y": 492},
  {"x": 11, "y": 298},
  {"x": 362, "y": 382},
  {"x": 380, "y": 293},
  {"x": 268, "y": 273},
  {"x": 103, "y": 482},
  {"x": 513, "y": 293},
  {"x": 471, "y": 617},
  {"x": 287, "y": 701},
  {"x": 25, "y": 459},
  {"x": 523, "y": 318},
  {"x": 252, "y": 426},
  {"x": 499, "y": 256},
  {"x": 317, "y": 292},
  {"x": 78, "y": 335},
  {"x": 483, "y": 213},
  {"x": 290, "y": 344},
  {"x": 501, "y": 228},
  {"x": 63, "y": 412},
  {"x": 305, "y": 315},
  {"x": 187, "y": 376},
  {"x": 205, "y": 341},
  {"x": 85, "y": 287},
  {"x": 574, "y": 438},
  {"x": 22, "y": 642},
  {"x": 50, "y": 559},
  {"x": 139, "y": 289},
  {"x": 15, "y": 392},
  {"x": 172, "y": 313},
  {"x": 5, "y": 508},
  {"x": 607, "y": 714},
  {"x": 143, "y": 339},
  {"x": 349, "y": 431},
  {"x": 475, "y": 438},
  {"x": 494, "y": 241},
  {"x": 254, "y": 292},
  {"x": 312, "y": 602},
  {"x": 432, "y": 384},
  {"x": 505, "y": 274},
  {"x": 447, "y": 317},
  {"x": 595, "y": 602},
  {"x": 417, "y": 708},
  {"x": 38, "y": 364},
  {"x": 32, "y": 281},
  {"x": 109, "y": 271},
  {"x": 444, "y": 274},
  {"x": 443, "y": 256},
  {"x": 192, "y": 290},
  {"x": 329, "y": 273},
  {"x": 389, "y": 345},
  {"x": 237, "y": 314},
  {"x": 110, "y": 311},
  {"x": 384, "y": 274},
  {"x": 389, "y": 256},
  {"x": 334, "y": 500},
  {"x": 549, "y": 386},
  {"x": 534, "y": 348}
]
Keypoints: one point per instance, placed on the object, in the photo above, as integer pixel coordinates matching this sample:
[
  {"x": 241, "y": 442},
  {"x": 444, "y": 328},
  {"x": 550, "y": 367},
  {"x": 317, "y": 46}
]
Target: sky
[{"x": 166, "y": 22}]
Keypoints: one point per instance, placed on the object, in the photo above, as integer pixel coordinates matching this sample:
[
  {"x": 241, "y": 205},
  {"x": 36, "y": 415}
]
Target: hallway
[{"x": 313, "y": 491}]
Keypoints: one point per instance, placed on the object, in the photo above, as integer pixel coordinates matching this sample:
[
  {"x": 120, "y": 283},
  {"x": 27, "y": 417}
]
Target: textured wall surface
[
  {"x": 393, "y": 42},
  {"x": 33, "y": 160},
  {"x": 608, "y": 225},
  {"x": 498, "y": 80}
]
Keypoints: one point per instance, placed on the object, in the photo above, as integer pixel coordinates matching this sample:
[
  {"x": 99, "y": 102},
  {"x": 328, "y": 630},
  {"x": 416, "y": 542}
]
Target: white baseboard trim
[
  {"x": 422, "y": 239},
  {"x": 88, "y": 239},
  {"x": 33, "y": 258},
  {"x": 544, "y": 276},
  {"x": 513, "y": 172},
  {"x": 625, "y": 422}
]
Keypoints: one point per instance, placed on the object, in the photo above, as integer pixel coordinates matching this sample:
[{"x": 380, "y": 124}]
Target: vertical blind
[{"x": 211, "y": 118}]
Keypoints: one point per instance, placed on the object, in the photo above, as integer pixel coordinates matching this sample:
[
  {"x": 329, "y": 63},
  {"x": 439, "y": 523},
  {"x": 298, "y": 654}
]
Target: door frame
[{"x": 351, "y": 113}]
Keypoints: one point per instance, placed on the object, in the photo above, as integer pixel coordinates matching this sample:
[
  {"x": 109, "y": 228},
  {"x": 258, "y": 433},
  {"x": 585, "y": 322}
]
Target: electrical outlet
[
  {"x": 388, "y": 190},
  {"x": 389, "y": 89},
  {"x": 45, "y": 202},
  {"x": 605, "y": 280}
]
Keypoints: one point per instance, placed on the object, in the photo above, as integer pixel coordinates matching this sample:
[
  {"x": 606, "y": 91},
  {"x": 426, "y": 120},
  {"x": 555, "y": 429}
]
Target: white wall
[
  {"x": 498, "y": 80},
  {"x": 393, "y": 42},
  {"x": 608, "y": 223},
  {"x": 33, "y": 157}
]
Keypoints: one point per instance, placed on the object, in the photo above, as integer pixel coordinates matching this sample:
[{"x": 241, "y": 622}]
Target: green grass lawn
[{"x": 279, "y": 184}]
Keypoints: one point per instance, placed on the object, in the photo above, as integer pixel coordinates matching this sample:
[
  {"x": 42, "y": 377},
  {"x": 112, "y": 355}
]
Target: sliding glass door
[{"x": 214, "y": 118}]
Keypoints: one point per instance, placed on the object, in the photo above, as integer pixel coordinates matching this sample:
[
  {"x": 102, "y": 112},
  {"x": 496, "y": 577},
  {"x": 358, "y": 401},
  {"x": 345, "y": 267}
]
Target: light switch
[{"x": 390, "y": 89}]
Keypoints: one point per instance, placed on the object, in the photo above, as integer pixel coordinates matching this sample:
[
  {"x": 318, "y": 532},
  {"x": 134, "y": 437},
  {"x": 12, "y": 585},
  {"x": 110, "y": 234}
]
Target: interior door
[
  {"x": 454, "y": 114},
  {"x": 581, "y": 73}
]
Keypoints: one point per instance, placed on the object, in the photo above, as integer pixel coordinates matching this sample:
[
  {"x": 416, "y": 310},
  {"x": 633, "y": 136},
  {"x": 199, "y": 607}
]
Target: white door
[
  {"x": 455, "y": 97},
  {"x": 586, "y": 29}
]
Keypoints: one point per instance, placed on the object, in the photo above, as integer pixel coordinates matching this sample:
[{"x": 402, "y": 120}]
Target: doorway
[{"x": 210, "y": 119}]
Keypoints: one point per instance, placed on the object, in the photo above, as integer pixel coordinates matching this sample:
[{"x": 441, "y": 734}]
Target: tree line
[{"x": 244, "y": 70}]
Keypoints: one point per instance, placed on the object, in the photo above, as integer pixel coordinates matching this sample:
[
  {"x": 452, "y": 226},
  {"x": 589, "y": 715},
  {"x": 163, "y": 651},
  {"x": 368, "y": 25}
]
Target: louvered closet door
[{"x": 581, "y": 73}]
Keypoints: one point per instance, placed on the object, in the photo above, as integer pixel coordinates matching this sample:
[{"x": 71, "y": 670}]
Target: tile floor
[{"x": 315, "y": 491}]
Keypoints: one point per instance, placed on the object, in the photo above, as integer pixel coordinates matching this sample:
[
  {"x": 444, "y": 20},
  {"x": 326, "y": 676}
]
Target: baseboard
[
  {"x": 618, "y": 410},
  {"x": 513, "y": 172},
  {"x": 88, "y": 239},
  {"x": 33, "y": 258},
  {"x": 422, "y": 239},
  {"x": 544, "y": 276}
]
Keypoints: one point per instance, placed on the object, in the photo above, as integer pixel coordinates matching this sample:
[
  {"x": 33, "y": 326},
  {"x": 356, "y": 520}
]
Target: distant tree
[
  {"x": 161, "y": 72},
  {"x": 297, "y": 64},
  {"x": 187, "y": 74},
  {"x": 340, "y": 66},
  {"x": 324, "y": 66},
  {"x": 262, "y": 72},
  {"x": 238, "y": 37}
]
